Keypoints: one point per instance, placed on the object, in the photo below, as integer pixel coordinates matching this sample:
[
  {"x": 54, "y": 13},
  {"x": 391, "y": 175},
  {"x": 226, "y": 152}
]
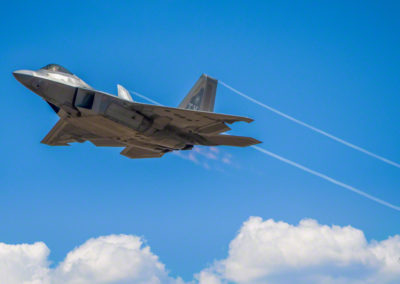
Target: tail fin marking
[{"x": 202, "y": 95}]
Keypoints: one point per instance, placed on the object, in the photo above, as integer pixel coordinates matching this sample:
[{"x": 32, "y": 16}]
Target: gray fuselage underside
[{"x": 107, "y": 116}]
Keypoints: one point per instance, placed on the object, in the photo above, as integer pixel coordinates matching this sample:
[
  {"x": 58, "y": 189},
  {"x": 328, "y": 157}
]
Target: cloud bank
[
  {"x": 107, "y": 259},
  {"x": 264, "y": 251},
  {"x": 277, "y": 252}
]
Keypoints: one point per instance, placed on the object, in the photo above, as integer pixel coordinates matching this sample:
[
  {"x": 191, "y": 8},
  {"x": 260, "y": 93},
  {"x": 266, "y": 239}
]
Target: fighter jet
[{"x": 145, "y": 130}]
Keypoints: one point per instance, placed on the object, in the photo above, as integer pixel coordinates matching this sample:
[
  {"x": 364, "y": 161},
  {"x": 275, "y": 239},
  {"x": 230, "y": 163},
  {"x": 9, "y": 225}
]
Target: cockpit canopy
[{"x": 56, "y": 68}]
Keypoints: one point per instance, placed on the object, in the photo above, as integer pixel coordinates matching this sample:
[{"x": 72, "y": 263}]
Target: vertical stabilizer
[
  {"x": 124, "y": 94},
  {"x": 202, "y": 95}
]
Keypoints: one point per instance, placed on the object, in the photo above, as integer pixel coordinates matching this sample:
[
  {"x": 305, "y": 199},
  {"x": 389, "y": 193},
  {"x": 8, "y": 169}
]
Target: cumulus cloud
[
  {"x": 277, "y": 252},
  {"x": 107, "y": 259},
  {"x": 264, "y": 251},
  {"x": 112, "y": 259},
  {"x": 24, "y": 263}
]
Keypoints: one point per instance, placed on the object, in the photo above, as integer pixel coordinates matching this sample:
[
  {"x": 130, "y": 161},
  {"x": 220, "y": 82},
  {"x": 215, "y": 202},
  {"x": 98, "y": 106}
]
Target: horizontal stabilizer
[
  {"x": 139, "y": 153},
  {"x": 215, "y": 128},
  {"x": 230, "y": 140}
]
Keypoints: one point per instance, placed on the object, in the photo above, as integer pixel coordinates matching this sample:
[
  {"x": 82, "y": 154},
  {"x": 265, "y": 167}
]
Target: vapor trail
[
  {"x": 325, "y": 177},
  {"x": 146, "y": 98},
  {"x": 362, "y": 150},
  {"x": 301, "y": 167}
]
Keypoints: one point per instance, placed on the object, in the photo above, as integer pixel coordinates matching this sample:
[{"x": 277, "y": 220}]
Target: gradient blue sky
[{"x": 335, "y": 66}]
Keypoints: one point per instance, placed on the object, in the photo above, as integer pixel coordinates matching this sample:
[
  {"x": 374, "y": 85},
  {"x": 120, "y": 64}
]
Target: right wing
[{"x": 202, "y": 122}]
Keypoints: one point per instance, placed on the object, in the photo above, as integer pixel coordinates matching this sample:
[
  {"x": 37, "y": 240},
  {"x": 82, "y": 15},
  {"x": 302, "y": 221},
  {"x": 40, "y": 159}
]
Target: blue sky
[{"x": 333, "y": 65}]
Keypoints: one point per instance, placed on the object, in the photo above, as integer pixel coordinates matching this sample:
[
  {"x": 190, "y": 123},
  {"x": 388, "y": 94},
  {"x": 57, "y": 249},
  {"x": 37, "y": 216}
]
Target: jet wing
[
  {"x": 65, "y": 132},
  {"x": 201, "y": 122},
  {"x": 60, "y": 135}
]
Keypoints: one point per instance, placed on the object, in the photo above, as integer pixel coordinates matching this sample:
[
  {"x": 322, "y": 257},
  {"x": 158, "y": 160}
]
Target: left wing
[
  {"x": 61, "y": 134},
  {"x": 65, "y": 132}
]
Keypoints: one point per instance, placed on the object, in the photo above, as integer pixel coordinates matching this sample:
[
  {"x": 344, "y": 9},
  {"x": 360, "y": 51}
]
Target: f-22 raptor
[{"x": 145, "y": 130}]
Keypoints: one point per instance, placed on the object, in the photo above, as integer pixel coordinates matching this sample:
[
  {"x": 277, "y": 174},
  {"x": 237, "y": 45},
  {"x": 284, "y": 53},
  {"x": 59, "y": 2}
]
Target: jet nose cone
[{"x": 23, "y": 76}]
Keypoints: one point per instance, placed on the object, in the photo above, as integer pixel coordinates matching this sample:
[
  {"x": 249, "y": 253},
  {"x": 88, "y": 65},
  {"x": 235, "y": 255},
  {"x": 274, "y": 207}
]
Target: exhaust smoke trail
[
  {"x": 144, "y": 97},
  {"x": 355, "y": 147},
  {"x": 299, "y": 166},
  {"x": 327, "y": 178}
]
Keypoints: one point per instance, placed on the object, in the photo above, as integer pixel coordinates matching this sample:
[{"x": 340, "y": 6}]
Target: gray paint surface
[{"x": 146, "y": 131}]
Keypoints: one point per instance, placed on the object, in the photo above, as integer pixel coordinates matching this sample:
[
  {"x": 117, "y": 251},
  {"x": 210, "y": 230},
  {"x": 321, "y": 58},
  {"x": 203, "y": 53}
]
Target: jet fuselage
[{"x": 117, "y": 121}]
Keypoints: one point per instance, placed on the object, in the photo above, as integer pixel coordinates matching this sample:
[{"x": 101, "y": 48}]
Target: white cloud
[
  {"x": 262, "y": 252},
  {"x": 112, "y": 259},
  {"x": 24, "y": 263},
  {"x": 276, "y": 252},
  {"x": 108, "y": 259}
]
